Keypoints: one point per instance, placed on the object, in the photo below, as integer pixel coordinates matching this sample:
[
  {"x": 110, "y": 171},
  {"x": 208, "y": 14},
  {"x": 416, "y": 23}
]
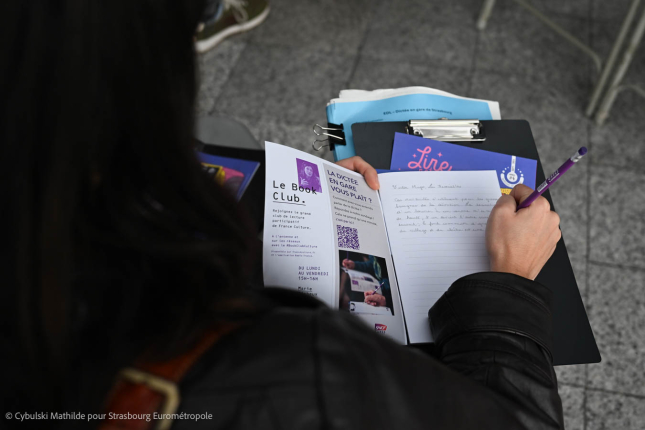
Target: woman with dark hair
[{"x": 120, "y": 253}]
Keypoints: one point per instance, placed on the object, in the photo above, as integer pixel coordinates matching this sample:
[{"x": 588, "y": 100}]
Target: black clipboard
[{"x": 573, "y": 339}]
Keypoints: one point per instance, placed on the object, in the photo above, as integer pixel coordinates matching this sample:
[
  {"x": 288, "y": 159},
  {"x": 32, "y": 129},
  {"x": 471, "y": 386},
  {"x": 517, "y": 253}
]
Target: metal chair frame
[{"x": 603, "y": 96}]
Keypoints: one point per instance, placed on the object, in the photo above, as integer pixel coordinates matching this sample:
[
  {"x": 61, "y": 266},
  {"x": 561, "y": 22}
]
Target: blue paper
[
  {"x": 401, "y": 108},
  {"x": 416, "y": 153}
]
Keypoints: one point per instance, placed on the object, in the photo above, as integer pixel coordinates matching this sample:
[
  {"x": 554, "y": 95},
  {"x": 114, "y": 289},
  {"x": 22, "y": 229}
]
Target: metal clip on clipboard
[
  {"x": 445, "y": 130},
  {"x": 334, "y": 134},
  {"x": 448, "y": 130}
]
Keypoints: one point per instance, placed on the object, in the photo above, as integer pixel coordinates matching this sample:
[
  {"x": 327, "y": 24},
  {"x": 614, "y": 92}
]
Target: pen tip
[{"x": 583, "y": 150}]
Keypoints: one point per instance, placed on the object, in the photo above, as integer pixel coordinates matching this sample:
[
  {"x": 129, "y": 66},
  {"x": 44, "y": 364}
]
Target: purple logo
[{"x": 308, "y": 176}]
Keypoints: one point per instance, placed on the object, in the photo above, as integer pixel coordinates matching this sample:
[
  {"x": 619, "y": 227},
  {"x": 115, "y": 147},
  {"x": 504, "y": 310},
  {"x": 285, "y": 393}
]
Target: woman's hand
[
  {"x": 357, "y": 164},
  {"x": 349, "y": 264},
  {"x": 521, "y": 242},
  {"x": 374, "y": 299}
]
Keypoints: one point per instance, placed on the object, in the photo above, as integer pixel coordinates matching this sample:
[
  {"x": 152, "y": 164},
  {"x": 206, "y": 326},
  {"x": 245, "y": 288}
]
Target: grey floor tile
[
  {"x": 373, "y": 73},
  {"x": 283, "y": 84},
  {"x": 603, "y": 10},
  {"x": 214, "y": 70},
  {"x": 435, "y": 32},
  {"x": 577, "y": 8},
  {"x": 515, "y": 42},
  {"x": 616, "y": 309},
  {"x": 316, "y": 25},
  {"x": 295, "y": 136},
  {"x": 617, "y": 224},
  {"x": 552, "y": 9},
  {"x": 619, "y": 141},
  {"x": 572, "y": 406},
  {"x": 606, "y": 411},
  {"x": 575, "y": 374}
]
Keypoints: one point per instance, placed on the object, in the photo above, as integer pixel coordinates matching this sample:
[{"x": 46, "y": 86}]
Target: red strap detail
[
  {"x": 138, "y": 400},
  {"x": 135, "y": 401}
]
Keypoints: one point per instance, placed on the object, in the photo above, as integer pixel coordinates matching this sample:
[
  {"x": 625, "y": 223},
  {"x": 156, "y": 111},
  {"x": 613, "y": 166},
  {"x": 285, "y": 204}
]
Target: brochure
[
  {"x": 416, "y": 153},
  {"x": 385, "y": 256}
]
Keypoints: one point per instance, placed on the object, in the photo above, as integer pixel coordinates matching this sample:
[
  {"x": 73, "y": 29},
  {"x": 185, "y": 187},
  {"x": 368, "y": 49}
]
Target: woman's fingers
[{"x": 357, "y": 164}]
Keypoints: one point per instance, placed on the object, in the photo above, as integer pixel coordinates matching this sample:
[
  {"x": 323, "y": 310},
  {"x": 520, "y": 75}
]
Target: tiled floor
[{"x": 278, "y": 78}]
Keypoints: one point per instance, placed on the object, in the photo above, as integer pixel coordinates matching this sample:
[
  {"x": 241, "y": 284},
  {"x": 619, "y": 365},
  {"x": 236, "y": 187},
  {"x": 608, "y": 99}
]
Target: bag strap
[{"x": 146, "y": 388}]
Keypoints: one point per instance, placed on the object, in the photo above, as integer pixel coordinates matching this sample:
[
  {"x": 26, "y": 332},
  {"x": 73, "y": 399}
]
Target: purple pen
[
  {"x": 554, "y": 177},
  {"x": 377, "y": 288}
]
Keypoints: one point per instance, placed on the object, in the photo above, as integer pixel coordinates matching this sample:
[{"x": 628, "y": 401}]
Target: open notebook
[{"x": 386, "y": 256}]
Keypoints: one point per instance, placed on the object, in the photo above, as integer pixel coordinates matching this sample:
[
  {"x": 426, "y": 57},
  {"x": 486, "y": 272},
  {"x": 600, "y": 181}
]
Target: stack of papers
[{"x": 401, "y": 104}]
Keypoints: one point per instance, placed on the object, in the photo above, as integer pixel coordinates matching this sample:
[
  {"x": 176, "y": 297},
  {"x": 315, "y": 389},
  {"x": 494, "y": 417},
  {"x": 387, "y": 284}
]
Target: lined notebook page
[{"x": 436, "y": 224}]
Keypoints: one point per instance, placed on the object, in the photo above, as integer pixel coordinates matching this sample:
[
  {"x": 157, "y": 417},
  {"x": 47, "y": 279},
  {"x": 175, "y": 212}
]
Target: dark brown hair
[{"x": 114, "y": 239}]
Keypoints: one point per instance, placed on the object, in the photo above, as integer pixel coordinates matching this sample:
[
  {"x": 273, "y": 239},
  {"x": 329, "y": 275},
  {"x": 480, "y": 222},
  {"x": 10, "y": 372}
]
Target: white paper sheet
[{"x": 436, "y": 224}]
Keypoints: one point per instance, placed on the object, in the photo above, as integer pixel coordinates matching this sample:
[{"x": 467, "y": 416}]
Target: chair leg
[
  {"x": 621, "y": 70},
  {"x": 487, "y": 8},
  {"x": 613, "y": 56}
]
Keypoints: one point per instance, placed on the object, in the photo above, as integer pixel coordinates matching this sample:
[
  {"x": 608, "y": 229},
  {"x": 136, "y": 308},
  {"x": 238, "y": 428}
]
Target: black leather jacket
[{"x": 300, "y": 365}]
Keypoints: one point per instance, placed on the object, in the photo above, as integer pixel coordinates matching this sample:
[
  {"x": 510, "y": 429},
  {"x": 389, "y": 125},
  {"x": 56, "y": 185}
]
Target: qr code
[{"x": 347, "y": 237}]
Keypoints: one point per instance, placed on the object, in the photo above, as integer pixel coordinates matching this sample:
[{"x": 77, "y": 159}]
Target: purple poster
[
  {"x": 417, "y": 153},
  {"x": 308, "y": 176}
]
